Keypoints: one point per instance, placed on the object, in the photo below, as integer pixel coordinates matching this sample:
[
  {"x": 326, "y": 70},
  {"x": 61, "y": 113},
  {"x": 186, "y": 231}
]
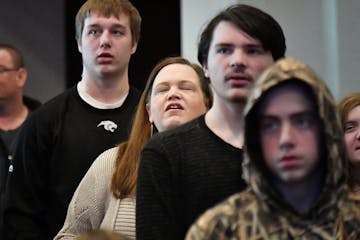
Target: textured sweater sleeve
[
  {"x": 155, "y": 213},
  {"x": 87, "y": 207}
]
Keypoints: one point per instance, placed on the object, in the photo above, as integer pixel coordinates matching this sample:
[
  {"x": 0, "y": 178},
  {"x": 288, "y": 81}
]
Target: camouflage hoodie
[{"x": 260, "y": 212}]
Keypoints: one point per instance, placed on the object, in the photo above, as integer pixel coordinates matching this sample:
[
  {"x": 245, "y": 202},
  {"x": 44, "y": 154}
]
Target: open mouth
[{"x": 174, "y": 106}]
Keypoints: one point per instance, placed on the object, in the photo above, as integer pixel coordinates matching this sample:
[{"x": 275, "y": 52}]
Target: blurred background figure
[
  {"x": 294, "y": 163},
  {"x": 349, "y": 108},
  {"x": 14, "y": 109}
]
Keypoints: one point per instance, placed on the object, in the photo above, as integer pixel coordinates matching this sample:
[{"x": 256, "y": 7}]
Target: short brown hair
[{"x": 109, "y": 8}]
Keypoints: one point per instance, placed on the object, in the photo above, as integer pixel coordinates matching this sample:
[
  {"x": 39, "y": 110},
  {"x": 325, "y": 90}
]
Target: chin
[
  {"x": 174, "y": 124},
  {"x": 355, "y": 161},
  {"x": 238, "y": 99},
  {"x": 292, "y": 177}
]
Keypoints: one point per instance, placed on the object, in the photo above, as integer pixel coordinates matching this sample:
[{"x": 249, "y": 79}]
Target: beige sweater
[{"x": 93, "y": 206}]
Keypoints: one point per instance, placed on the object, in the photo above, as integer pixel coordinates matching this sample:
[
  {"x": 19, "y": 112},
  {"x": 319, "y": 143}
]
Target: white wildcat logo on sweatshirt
[{"x": 108, "y": 125}]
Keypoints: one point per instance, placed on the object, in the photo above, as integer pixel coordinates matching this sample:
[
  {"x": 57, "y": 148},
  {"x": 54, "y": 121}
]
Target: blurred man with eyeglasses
[{"x": 14, "y": 109}]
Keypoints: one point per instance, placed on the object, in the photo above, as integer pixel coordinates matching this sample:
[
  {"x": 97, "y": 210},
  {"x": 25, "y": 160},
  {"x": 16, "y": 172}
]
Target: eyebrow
[
  {"x": 224, "y": 45},
  {"x": 97, "y": 25},
  {"x": 352, "y": 121},
  {"x": 307, "y": 112},
  {"x": 180, "y": 82},
  {"x": 5, "y": 67},
  {"x": 253, "y": 45}
]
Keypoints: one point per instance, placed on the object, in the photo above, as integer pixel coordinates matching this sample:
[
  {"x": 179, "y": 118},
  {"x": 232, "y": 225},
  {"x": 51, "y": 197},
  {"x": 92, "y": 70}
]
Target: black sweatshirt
[
  {"x": 56, "y": 147},
  {"x": 183, "y": 172}
]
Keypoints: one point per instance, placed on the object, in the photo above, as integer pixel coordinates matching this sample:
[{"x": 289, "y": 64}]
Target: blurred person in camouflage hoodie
[{"x": 294, "y": 163}]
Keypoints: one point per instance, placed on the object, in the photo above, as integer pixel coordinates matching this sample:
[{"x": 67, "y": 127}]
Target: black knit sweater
[{"x": 183, "y": 172}]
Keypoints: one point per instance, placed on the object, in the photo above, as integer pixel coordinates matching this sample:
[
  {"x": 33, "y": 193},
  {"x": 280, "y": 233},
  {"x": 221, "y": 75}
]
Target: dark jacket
[{"x": 6, "y": 155}]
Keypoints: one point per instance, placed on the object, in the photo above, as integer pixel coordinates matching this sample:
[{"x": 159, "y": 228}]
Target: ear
[
  {"x": 149, "y": 112},
  {"x": 133, "y": 48},
  {"x": 21, "y": 77},
  {"x": 79, "y": 45},
  {"x": 206, "y": 70}
]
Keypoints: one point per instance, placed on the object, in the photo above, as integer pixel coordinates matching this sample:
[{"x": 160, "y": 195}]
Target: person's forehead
[
  {"x": 284, "y": 97},
  {"x": 176, "y": 72},
  {"x": 228, "y": 32},
  {"x": 354, "y": 114},
  {"x": 97, "y": 18},
  {"x": 5, "y": 57}
]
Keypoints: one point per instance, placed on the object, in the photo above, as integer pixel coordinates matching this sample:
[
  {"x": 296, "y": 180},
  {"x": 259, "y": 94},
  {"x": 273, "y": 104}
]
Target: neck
[
  {"x": 226, "y": 121},
  {"x": 106, "y": 90},
  {"x": 355, "y": 178},
  {"x": 13, "y": 113},
  {"x": 302, "y": 195}
]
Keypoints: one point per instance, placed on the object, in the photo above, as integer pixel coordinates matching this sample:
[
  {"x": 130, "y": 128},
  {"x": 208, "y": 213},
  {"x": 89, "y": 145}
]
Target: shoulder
[
  {"x": 56, "y": 104},
  {"x": 182, "y": 133},
  {"x": 350, "y": 211},
  {"x": 224, "y": 217},
  {"x": 133, "y": 96},
  {"x": 105, "y": 162},
  {"x": 49, "y": 115},
  {"x": 229, "y": 209},
  {"x": 31, "y": 103},
  {"x": 172, "y": 144},
  {"x": 193, "y": 138},
  {"x": 97, "y": 179},
  {"x": 171, "y": 147},
  {"x": 68, "y": 93},
  {"x": 134, "y": 92}
]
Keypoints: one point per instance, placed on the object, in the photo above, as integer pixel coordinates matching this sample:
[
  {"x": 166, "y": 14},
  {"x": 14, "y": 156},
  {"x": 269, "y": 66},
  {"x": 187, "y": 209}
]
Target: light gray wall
[
  {"x": 322, "y": 33},
  {"x": 37, "y": 28},
  {"x": 349, "y": 45}
]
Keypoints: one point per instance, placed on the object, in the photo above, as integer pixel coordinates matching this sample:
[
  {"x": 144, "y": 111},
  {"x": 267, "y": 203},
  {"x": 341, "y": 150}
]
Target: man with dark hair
[
  {"x": 60, "y": 141},
  {"x": 294, "y": 164},
  {"x": 14, "y": 109},
  {"x": 189, "y": 169}
]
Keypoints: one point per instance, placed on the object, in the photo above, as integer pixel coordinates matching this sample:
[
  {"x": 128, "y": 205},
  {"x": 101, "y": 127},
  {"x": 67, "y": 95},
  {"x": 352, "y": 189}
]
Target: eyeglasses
[{"x": 3, "y": 69}]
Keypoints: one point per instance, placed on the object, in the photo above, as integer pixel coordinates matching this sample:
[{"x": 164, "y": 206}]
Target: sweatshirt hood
[{"x": 290, "y": 69}]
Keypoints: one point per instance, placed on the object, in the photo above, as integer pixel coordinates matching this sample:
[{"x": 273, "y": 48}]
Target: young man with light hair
[{"x": 61, "y": 140}]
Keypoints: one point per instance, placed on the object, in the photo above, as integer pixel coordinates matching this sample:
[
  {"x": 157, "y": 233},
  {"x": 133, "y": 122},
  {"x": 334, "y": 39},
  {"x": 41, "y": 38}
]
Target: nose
[
  {"x": 358, "y": 133},
  {"x": 173, "y": 94},
  {"x": 105, "y": 40},
  {"x": 238, "y": 60},
  {"x": 286, "y": 140}
]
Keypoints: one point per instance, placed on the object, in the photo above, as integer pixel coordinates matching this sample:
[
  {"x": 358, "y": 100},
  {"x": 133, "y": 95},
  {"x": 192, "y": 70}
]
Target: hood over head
[{"x": 255, "y": 172}]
